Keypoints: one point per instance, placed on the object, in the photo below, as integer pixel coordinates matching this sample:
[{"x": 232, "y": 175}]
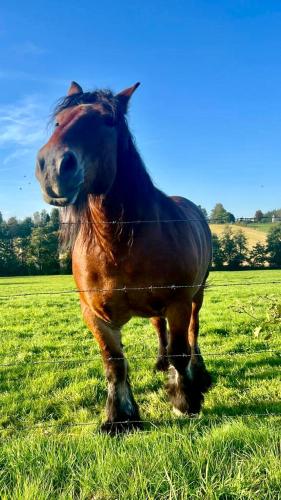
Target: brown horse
[{"x": 135, "y": 251}]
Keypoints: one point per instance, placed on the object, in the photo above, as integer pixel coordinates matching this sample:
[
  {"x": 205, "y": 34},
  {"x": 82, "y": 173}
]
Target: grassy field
[
  {"x": 232, "y": 452},
  {"x": 254, "y": 233},
  {"x": 264, "y": 227}
]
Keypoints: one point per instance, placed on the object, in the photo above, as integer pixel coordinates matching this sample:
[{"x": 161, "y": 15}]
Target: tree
[
  {"x": 240, "y": 241},
  {"x": 55, "y": 219},
  {"x": 65, "y": 262},
  {"x": 258, "y": 215},
  {"x": 41, "y": 218},
  {"x": 218, "y": 256},
  {"x": 12, "y": 227},
  {"x": 270, "y": 213},
  {"x": 43, "y": 252},
  {"x": 31, "y": 245},
  {"x": 228, "y": 245},
  {"x": 274, "y": 245},
  {"x": 234, "y": 248},
  {"x": 230, "y": 218},
  {"x": 44, "y": 218},
  {"x": 220, "y": 215},
  {"x": 25, "y": 227},
  {"x": 36, "y": 218},
  {"x": 258, "y": 255},
  {"x": 204, "y": 211},
  {"x": 8, "y": 259}
]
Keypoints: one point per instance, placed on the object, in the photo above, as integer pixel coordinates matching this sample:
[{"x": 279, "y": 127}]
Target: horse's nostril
[
  {"x": 41, "y": 163},
  {"x": 68, "y": 164}
]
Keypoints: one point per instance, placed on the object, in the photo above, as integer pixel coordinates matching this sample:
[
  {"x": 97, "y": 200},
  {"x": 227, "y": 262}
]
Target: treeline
[
  {"x": 31, "y": 246},
  {"x": 219, "y": 215},
  {"x": 231, "y": 251}
]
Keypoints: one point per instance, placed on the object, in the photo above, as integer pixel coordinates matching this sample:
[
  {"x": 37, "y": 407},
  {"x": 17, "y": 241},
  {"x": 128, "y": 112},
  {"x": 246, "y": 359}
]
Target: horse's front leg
[
  {"x": 121, "y": 408},
  {"x": 201, "y": 378}
]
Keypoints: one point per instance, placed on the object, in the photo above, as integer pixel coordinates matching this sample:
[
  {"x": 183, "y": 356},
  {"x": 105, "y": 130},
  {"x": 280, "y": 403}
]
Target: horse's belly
[
  {"x": 119, "y": 306},
  {"x": 150, "y": 303},
  {"x": 148, "y": 307}
]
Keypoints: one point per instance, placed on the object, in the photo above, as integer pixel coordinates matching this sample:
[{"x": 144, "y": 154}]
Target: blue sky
[{"x": 207, "y": 117}]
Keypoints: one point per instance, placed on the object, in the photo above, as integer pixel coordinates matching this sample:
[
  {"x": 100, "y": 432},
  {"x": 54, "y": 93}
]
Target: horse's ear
[
  {"x": 124, "y": 96},
  {"x": 74, "y": 89}
]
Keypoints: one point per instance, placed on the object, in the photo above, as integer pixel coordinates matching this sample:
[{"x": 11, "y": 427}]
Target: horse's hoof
[
  {"x": 162, "y": 364},
  {"x": 115, "y": 428},
  {"x": 179, "y": 413},
  {"x": 206, "y": 382},
  {"x": 187, "y": 414},
  {"x": 201, "y": 378},
  {"x": 193, "y": 415}
]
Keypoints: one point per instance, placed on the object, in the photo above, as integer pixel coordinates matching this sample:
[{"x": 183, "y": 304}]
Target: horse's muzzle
[{"x": 60, "y": 177}]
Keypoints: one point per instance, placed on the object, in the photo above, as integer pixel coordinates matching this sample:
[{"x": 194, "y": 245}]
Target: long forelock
[{"x": 104, "y": 97}]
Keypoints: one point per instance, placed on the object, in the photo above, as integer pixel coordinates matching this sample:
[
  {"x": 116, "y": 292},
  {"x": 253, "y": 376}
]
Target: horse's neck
[{"x": 132, "y": 196}]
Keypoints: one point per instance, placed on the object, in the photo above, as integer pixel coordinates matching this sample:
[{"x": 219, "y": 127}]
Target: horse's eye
[{"x": 57, "y": 124}]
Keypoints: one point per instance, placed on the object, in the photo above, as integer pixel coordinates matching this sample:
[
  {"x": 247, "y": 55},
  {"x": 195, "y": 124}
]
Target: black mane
[
  {"x": 131, "y": 192},
  {"x": 104, "y": 97}
]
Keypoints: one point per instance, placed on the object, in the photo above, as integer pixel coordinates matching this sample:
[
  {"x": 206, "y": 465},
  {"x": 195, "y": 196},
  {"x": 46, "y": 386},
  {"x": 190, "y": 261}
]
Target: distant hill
[{"x": 253, "y": 234}]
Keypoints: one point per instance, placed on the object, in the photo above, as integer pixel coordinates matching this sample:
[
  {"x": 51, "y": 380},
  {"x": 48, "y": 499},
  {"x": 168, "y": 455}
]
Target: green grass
[
  {"x": 228, "y": 453},
  {"x": 264, "y": 227}
]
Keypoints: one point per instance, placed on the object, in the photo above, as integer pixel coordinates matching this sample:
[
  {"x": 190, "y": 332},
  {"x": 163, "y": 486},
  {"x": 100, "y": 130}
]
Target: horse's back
[{"x": 198, "y": 230}]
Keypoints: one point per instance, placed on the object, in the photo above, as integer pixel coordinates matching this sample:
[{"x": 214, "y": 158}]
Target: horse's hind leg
[
  {"x": 201, "y": 379},
  {"x": 188, "y": 378},
  {"x": 179, "y": 386},
  {"x": 121, "y": 408},
  {"x": 160, "y": 325}
]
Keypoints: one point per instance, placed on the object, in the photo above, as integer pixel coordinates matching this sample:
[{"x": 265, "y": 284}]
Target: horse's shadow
[{"x": 219, "y": 414}]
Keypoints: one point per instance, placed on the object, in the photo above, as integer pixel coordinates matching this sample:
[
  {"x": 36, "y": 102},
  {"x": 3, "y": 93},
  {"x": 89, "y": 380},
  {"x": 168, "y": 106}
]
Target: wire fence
[
  {"x": 149, "y": 288},
  {"x": 24, "y": 425},
  {"x": 209, "y": 220},
  {"x": 130, "y": 424},
  {"x": 136, "y": 358}
]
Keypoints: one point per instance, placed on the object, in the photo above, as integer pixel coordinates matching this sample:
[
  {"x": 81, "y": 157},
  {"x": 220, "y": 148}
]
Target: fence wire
[
  {"x": 155, "y": 426},
  {"x": 150, "y": 288},
  {"x": 217, "y": 220},
  {"x": 24, "y": 426},
  {"x": 98, "y": 356}
]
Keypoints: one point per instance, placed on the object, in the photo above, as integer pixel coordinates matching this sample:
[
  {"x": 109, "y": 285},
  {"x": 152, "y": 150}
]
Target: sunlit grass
[{"x": 228, "y": 453}]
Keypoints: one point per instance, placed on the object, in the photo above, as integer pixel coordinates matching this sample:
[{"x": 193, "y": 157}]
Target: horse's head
[{"x": 81, "y": 155}]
